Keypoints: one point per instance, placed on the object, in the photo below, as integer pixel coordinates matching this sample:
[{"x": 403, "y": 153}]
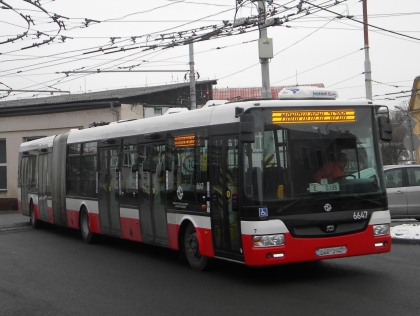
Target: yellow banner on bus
[{"x": 313, "y": 116}]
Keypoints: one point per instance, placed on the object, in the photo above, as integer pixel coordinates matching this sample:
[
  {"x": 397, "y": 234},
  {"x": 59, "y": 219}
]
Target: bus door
[
  {"x": 42, "y": 186},
  {"x": 24, "y": 185},
  {"x": 224, "y": 211},
  {"x": 153, "y": 221},
  {"x": 109, "y": 190}
]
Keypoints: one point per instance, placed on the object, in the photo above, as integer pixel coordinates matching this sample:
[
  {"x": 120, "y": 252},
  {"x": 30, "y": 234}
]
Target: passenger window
[{"x": 413, "y": 176}]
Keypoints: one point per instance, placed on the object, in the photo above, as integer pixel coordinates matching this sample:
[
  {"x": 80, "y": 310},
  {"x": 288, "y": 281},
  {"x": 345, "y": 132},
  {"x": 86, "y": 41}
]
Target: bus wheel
[
  {"x": 87, "y": 235},
  {"x": 192, "y": 252},
  {"x": 35, "y": 223}
]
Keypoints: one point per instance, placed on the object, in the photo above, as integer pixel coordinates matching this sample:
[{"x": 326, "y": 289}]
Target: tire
[
  {"x": 87, "y": 235},
  {"x": 192, "y": 250},
  {"x": 35, "y": 223}
]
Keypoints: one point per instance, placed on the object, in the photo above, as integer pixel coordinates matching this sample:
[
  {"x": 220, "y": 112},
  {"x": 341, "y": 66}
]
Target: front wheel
[
  {"x": 192, "y": 250},
  {"x": 87, "y": 235}
]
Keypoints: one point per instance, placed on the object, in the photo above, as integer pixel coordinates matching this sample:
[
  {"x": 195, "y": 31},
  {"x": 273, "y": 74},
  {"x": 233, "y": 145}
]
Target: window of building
[{"x": 3, "y": 165}]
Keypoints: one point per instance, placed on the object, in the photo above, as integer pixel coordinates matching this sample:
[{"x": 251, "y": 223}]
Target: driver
[{"x": 332, "y": 169}]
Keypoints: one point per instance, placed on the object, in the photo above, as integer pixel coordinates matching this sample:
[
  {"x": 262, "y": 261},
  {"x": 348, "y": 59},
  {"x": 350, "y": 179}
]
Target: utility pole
[
  {"x": 265, "y": 70},
  {"x": 193, "y": 103},
  {"x": 368, "y": 71}
]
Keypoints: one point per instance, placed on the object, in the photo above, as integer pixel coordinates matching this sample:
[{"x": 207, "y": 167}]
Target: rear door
[{"x": 153, "y": 221}]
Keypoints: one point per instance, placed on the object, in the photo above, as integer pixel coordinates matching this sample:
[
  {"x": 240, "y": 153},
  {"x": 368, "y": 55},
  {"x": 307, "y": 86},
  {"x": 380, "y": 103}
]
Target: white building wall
[{"x": 16, "y": 129}]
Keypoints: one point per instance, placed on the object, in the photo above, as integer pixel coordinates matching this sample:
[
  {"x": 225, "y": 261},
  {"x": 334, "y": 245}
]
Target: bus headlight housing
[
  {"x": 382, "y": 229},
  {"x": 268, "y": 240}
]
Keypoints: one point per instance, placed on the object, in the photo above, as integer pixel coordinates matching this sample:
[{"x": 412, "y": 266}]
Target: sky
[{"x": 66, "y": 37}]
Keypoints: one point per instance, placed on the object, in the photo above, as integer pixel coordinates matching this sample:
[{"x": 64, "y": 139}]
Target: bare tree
[{"x": 394, "y": 151}]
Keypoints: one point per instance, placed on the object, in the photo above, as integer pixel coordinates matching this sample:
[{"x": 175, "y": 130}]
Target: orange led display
[
  {"x": 313, "y": 116},
  {"x": 184, "y": 141}
]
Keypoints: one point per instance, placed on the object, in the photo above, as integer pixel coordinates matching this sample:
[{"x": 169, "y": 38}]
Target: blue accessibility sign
[{"x": 263, "y": 211}]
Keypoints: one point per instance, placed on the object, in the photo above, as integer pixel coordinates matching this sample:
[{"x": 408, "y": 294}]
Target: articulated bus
[{"x": 233, "y": 181}]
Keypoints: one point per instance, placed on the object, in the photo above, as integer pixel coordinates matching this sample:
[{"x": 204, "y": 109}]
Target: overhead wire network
[
  {"x": 129, "y": 50},
  {"x": 278, "y": 14}
]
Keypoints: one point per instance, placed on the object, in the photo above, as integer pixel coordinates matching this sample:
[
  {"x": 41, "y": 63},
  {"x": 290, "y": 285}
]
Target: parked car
[
  {"x": 403, "y": 190},
  {"x": 402, "y": 187}
]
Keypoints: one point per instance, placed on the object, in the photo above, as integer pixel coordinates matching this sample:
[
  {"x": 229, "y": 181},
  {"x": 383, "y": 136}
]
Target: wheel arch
[
  {"x": 181, "y": 234},
  {"x": 82, "y": 208}
]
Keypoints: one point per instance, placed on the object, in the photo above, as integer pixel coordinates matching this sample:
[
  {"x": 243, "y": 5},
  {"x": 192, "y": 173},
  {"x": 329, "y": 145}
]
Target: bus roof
[{"x": 189, "y": 119}]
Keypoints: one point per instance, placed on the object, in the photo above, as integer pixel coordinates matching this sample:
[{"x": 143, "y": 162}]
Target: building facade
[{"x": 28, "y": 119}]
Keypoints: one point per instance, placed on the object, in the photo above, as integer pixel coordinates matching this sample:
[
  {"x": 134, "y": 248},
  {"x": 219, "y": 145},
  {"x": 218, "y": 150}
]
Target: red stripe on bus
[
  {"x": 72, "y": 219},
  {"x": 36, "y": 211},
  {"x": 205, "y": 241},
  {"x": 130, "y": 228},
  {"x": 94, "y": 223},
  {"x": 173, "y": 232},
  {"x": 50, "y": 216},
  {"x": 304, "y": 249}
]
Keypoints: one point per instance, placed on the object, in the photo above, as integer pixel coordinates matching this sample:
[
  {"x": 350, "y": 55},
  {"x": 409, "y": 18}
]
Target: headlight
[
  {"x": 268, "y": 240},
  {"x": 380, "y": 230}
]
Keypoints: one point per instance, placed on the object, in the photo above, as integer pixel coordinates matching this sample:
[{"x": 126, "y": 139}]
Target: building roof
[
  {"x": 233, "y": 94},
  {"x": 107, "y": 95}
]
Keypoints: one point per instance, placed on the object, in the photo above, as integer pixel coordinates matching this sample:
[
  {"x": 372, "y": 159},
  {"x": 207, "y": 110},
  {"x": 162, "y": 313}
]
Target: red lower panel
[
  {"x": 205, "y": 241},
  {"x": 173, "y": 230},
  {"x": 94, "y": 223},
  {"x": 73, "y": 219},
  {"x": 304, "y": 249},
  {"x": 50, "y": 216},
  {"x": 130, "y": 229},
  {"x": 20, "y": 206},
  {"x": 36, "y": 211}
]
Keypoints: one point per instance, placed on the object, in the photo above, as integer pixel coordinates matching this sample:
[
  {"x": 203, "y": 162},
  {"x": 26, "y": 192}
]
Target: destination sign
[
  {"x": 313, "y": 116},
  {"x": 186, "y": 141}
]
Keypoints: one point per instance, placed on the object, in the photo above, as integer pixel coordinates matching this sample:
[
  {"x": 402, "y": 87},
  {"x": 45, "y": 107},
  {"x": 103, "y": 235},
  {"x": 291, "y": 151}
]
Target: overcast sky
[{"x": 315, "y": 48}]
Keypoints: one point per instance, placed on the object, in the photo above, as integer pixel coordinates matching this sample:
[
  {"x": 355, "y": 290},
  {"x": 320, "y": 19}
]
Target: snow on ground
[{"x": 406, "y": 230}]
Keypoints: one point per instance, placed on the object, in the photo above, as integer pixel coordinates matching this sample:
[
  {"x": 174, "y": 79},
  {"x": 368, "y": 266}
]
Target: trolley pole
[
  {"x": 193, "y": 103},
  {"x": 368, "y": 71},
  {"x": 265, "y": 70}
]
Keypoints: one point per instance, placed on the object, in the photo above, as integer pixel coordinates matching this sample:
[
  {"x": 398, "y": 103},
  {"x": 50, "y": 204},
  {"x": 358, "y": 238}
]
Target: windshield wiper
[
  {"x": 294, "y": 202},
  {"x": 351, "y": 196},
  {"x": 367, "y": 200}
]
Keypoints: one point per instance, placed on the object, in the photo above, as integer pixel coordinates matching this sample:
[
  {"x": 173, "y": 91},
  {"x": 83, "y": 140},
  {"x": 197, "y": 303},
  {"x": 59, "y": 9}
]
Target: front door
[
  {"x": 224, "y": 161},
  {"x": 153, "y": 221},
  {"x": 109, "y": 191}
]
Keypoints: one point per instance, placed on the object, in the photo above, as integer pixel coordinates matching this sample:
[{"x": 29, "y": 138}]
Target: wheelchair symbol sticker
[{"x": 263, "y": 211}]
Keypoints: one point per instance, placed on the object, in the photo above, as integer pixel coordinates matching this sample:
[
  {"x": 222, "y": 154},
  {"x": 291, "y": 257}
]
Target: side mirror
[
  {"x": 385, "y": 128},
  {"x": 247, "y": 128}
]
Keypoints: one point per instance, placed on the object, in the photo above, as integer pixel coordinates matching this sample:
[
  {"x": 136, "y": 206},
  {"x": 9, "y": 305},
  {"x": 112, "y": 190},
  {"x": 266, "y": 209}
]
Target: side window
[
  {"x": 393, "y": 178},
  {"x": 186, "y": 171},
  {"x": 413, "y": 176},
  {"x": 81, "y": 169},
  {"x": 130, "y": 173}
]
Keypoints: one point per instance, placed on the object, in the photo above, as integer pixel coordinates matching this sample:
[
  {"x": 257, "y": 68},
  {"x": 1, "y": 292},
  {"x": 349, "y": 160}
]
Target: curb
[{"x": 405, "y": 241}]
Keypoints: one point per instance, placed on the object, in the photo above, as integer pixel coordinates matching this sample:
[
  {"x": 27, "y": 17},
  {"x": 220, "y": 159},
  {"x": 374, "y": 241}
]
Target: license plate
[
  {"x": 331, "y": 251},
  {"x": 316, "y": 187}
]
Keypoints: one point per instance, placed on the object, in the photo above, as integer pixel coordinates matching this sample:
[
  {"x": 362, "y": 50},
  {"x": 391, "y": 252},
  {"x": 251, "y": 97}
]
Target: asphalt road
[{"x": 52, "y": 272}]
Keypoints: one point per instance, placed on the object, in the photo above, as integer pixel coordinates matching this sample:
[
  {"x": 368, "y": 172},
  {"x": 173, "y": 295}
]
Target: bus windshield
[{"x": 290, "y": 160}]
